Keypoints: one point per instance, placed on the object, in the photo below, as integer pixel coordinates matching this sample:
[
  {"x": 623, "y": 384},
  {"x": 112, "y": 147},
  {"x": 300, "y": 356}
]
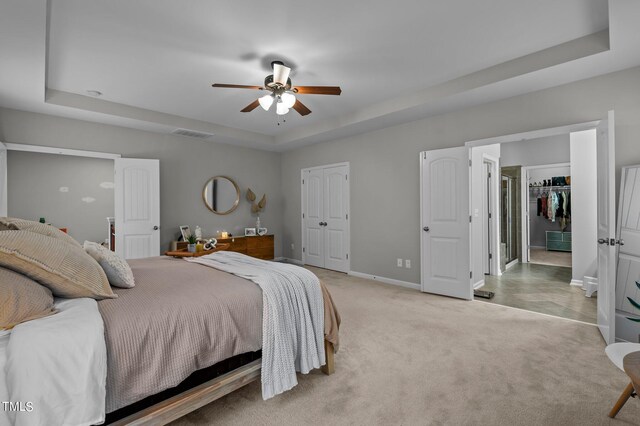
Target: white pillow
[{"x": 116, "y": 268}]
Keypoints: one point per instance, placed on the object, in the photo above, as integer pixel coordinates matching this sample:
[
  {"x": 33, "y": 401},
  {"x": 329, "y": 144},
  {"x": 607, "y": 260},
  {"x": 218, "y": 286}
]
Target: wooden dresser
[{"x": 261, "y": 247}]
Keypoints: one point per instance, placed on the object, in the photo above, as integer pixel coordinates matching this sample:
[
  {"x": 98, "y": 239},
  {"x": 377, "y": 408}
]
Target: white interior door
[
  {"x": 606, "y": 228},
  {"x": 336, "y": 223},
  {"x": 137, "y": 207},
  {"x": 3, "y": 180},
  {"x": 629, "y": 254},
  {"x": 313, "y": 217},
  {"x": 445, "y": 216}
]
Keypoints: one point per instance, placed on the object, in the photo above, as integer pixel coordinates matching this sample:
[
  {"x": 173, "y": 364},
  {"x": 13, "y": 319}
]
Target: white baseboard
[
  {"x": 511, "y": 264},
  {"x": 577, "y": 283},
  {"x": 385, "y": 280},
  {"x": 478, "y": 284},
  {"x": 289, "y": 260}
]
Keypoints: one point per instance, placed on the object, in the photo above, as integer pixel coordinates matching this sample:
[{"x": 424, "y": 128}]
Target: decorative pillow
[
  {"x": 12, "y": 223},
  {"x": 22, "y": 299},
  {"x": 63, "y": 268},
  {"x": 117, "y": 269}
]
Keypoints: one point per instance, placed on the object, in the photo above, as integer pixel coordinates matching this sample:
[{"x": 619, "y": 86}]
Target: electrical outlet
[
  {"x": 399, "y": 263},
  {"x": 293, "y": 247},
  {"x": 407, "y": 263}
]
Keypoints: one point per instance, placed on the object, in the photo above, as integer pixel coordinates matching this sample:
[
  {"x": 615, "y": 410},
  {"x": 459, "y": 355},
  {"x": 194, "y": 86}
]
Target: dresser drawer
[
  {"x": 265, "y": 241},
  {"x": 554, "y": 236},
  {"x": 559, "y": 245}
]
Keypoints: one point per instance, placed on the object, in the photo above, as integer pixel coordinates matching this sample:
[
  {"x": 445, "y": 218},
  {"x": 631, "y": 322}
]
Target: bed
[{"x": 185, "y": 335}]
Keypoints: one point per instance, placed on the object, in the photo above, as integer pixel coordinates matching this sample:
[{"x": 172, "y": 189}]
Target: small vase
[
  {"x": 191, "y": 248},
  {"x": 258, "y": 224}
]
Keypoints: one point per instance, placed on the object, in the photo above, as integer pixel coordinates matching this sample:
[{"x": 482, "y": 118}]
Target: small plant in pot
[{"x": 192, "y": 240}]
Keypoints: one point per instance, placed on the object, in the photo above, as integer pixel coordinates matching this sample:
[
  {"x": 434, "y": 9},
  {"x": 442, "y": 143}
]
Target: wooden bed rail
[{"x": 182, "y": 404}]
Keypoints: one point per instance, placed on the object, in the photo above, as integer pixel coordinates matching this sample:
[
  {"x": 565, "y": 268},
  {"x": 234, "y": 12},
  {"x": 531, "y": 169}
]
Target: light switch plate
[
  {"x": 399, "y": 263},
  {"x": 407, "y": 263}
]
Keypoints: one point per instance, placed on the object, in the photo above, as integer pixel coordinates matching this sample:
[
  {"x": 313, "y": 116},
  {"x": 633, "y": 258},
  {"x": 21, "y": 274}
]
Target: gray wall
[
  {"x": 535, "y": 152},
  {"x": 384, "y": 163},
  {"x": 34, "y": 191},
  {"x": 185, "y": 165}
]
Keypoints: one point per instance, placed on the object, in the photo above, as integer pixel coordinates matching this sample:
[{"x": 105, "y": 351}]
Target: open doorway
[{"x": 536, "y": 222}]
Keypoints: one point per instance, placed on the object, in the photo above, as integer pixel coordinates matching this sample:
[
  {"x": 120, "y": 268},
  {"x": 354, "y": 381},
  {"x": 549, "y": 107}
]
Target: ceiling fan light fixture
[
  {"x": 280, "y": 74},
  {"x": 266, "y": 101},
  {"x": 281, "y": 109},
  {"x": 288, "y": 99}
]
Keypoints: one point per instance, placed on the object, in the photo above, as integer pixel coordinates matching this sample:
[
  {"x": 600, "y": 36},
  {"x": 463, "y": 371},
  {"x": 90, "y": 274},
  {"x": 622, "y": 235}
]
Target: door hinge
[
  {"x": 469, "y": 218},
  {"x": 489, "y": 174},
  {"x": 303, "y": 249},
  {"x": 490, "y": 255},
  {"x": 347, "y": 215},
  {"x": 303, "y": 215},
  {"x": 347, "y": 256},
  {"x": 303, "y": 181},
  {"x": 489, "y": 215},
  {"x": 346, "y": 177},
  {"x": 469, "y": 163}
]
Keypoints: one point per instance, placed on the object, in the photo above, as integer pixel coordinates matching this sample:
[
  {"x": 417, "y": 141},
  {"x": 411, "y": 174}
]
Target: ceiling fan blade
[
  {"x": 237, "y": 86},
  {"x": 253, "y": 105},
  {"x": 317, "y": 90},
  {"x": 301, "y": 108},
  {"x": 280, "y": 73}
]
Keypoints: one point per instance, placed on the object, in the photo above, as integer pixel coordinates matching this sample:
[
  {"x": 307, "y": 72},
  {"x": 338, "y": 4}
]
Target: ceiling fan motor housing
[{"x": 273, "y": 86}]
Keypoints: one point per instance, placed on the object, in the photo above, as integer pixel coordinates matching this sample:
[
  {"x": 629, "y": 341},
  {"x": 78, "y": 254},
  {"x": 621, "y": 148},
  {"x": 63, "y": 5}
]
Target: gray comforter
[{"x": 180, "y": 317}]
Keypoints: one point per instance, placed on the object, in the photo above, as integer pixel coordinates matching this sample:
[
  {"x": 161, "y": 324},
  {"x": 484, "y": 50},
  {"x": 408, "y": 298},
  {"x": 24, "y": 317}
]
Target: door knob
[
  {"x": 603, "y": 241},
  {"x": 323, "y": 223},
  {"x": 425, "y": 229},
  {"x": 155, "y": 228}
]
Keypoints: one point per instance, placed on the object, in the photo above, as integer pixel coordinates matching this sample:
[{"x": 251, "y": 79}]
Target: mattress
[
  {"x": 4, "y": 392},
  {"x": 179, "y": 318}
]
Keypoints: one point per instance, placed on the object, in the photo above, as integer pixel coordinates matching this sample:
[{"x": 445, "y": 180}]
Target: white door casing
[
  {"x": 444, "y": 212},
  {"x": 325, "y": 223},
  {"x": 313, "y": 214},
  {"x": 3, "y": 180},
  {"x": 606, "y": 228},
  {"x": 137, "y": 207}
]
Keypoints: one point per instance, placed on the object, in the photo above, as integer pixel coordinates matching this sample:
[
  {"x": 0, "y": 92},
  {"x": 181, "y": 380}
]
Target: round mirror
[{"x": 221, "y": 195}]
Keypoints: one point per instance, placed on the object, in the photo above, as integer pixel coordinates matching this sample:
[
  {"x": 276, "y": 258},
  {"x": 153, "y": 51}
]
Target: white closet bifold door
[{"x": 325, "y": 223}]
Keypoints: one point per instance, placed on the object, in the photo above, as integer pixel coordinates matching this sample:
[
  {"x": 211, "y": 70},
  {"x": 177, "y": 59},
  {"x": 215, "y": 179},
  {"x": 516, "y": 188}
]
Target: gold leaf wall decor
[{"x": 251, "y": 197}]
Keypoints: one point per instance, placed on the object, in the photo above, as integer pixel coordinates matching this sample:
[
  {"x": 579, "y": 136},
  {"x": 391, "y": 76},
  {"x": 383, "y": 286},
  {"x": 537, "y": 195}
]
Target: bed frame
[{"x": 177, "y": 406}]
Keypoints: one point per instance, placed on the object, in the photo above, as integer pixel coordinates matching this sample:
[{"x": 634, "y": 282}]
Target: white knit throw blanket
[{"x": 292, "y": 316}]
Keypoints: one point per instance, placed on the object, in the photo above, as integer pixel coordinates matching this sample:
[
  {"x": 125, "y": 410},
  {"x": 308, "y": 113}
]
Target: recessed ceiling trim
[
  {"x": 87, "y": 103},
  {"x": 579, "y": 48}
]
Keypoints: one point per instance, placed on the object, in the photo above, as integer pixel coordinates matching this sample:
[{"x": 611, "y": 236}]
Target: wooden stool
[{"x": 625, "y": 356}]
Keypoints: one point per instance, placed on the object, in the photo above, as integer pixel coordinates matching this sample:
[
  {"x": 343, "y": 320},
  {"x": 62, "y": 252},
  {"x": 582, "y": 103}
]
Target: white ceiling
[{"x": 154, "y": 60}]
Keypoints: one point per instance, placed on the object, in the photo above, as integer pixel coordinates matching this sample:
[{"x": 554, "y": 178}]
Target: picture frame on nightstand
[
  {"x": 185, "y": 231},
  {"x": 249, "y": 232}
]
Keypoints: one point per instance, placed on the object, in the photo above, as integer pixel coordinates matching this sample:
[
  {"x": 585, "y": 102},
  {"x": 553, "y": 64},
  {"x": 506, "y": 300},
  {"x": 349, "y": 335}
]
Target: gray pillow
[{"x": 117, "y": 269}]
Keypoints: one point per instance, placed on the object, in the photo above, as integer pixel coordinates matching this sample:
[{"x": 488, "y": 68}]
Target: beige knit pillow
[
  {"x": 8, "y": 223},
  {"x": 22, "y": 299},
  {"x": 63, "y": 268}
]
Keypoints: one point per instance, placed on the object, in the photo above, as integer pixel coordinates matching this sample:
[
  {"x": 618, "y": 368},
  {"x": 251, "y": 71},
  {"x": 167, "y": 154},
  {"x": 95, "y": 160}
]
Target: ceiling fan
[{"x": 282, "y": 92}]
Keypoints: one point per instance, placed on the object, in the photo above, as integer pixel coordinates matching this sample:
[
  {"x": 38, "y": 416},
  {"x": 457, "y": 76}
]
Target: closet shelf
[{"x": 551, "y": 187}]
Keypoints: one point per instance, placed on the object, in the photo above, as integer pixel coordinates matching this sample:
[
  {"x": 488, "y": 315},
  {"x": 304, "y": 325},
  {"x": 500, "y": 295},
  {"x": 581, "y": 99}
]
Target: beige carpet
[{"x": 409, "y": 358}]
